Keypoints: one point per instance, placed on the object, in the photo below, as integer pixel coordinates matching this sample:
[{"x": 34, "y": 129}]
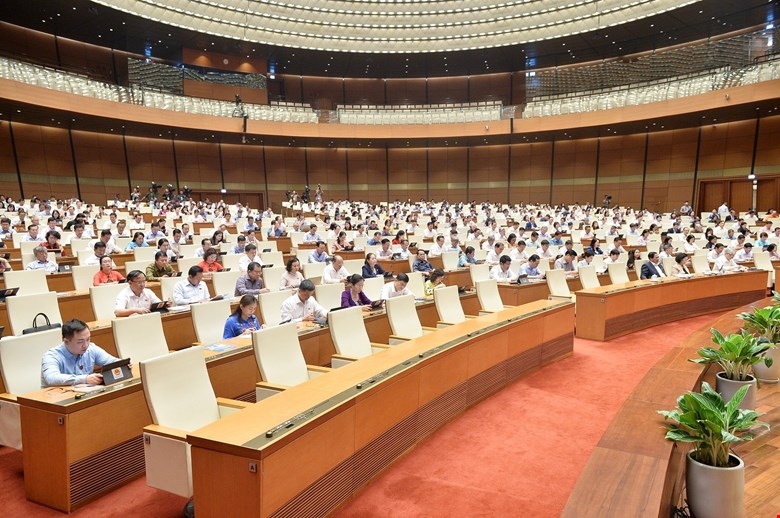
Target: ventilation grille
[{"x": 98, "y": 473}]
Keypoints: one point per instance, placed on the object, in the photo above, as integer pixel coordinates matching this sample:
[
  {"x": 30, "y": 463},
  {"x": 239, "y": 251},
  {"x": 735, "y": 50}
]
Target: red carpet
[{"x": 517, "y": 454}]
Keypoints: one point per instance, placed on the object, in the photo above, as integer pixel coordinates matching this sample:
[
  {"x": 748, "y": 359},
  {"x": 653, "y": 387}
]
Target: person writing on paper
[
  {"x": 209, "y": 264},
  {"x": 435, "y": 281},
  {"x": 136, "y": 298},
  {"x": 681, "y": 264},
  {"x": 501, "y": 271},
  {"x": 74, "y": 360},
  {"x": 397, "y": 288},
  {"x": 243, "y": 320},
  {"x": 293, "y": 277},
  {"x": 353, "y": 295},
  {"x": 106, "y": 274},
  {"x": 653, "y": 267},
  {"x": 301, "y": 306},
  {"x": 726, "y": 263},
  {"x": 192, "y": 289},
  {"x": 335, "y": 272},
  {"x": 251, "y": 283}
]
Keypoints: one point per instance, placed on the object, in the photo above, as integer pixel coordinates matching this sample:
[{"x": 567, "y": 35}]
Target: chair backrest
[
  {"x": 167, "y": 284},
  {"x": 416, "y": 284},
  {"x": 103, "y": 299},
  {"x": 372, "y": 287},
  {"x": 348, "y": 331},
  {"x": 178, "y": 390},
  {"x": 448, "y": 305},
  {"x": 270, "y": 304},
  {"x": 450, "y": 260},
  {"x": 488, "y": 295},
  {"x": 700, "y": 263},
  {"x": 275, "y": 258},
  {"x": 77, "y": 245},
  {"x": 136, "y": 265},
  {"x": 479, "y": 272},
  {"x": 402, "y": 314},
  {"x": 598, "y": 262},
  {"x": 588, "y": 277},
  {"x": 82, "y": 276},
  {"x": 20, "y": 359},
  {"x": 145, "y": 253},
  {"x": 225, "y": 282},
  {"x": 27, "y": 247},
  {"x": 83, "y": 255},
  {"x": 313, "y": 271},
  {"x": 272, "y": 277},
  {"x": 267, "y": 244},
  {"x": 556, "y": 283},
  {"x": 139, "y": 337},
  {"x": 23, "y": 308},
  {"x": 668, "y": 263},
  {"x": 328, "y": 295},
  {"x": 232, "y": 261},
  {"x": 762, "y": 261},
  {"x": 29, "y": 282},
  {"x": 279, "y": 356},
  {"x": 354, "y": 266},
  {"x": 185, "y": 263},
  {"x": 188, "y": 250},
  {"x": 617, "y": 273},
  {"x": 208, "y": 319}
]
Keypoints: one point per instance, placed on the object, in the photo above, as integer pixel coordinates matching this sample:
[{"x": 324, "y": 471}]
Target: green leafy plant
[
  {"x": 764, "y": 322},
  {"x": 736, "y": 354},
  {"x": 711, "y": 425}
]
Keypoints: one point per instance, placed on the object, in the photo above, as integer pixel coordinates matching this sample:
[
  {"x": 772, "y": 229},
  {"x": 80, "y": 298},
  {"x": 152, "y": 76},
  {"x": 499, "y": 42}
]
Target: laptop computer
[
  {"x": 65, "y": 268},
  {"x": 7, "y": 292},
  {"x": 159, "y": 307},
  {"x": 116, "y": 372}
]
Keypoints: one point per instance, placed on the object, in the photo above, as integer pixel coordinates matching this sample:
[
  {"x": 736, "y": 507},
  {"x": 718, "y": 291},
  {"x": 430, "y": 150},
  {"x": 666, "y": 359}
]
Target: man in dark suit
[{"x": 653, "y": 267}]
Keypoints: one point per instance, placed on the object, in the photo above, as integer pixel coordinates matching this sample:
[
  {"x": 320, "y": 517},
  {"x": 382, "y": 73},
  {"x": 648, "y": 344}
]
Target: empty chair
[
  {"x": 700, "y": 264},
  {"x": 82, "y": 276},
  {"x": 231, "y": 261},
  {"x": 313, "y": 271},
  {"x": 404, "y": 321},
  {"x": 350, "y": 338},
  {"x": 763, "y": 262},
  {"x": 180, "y": 399},
  {"x": 208, "y": 320},
  {"x": 103, "y": 299},
  {"x": 448, "y": 306},
  {"x": 416, "y": 284},
  {"x": 479, "y": 272},
  {"x": 145, "y": 253},
  {"x": 450, "y": 260},
  {"x": 329, "y": 295},
  {"x": 185, "y": 263},
  {"x": 20, "y": 367},
  {"x": 353, "y": 265},
  {"x": 617, "y": 273},
  {"x": 598, "y": 262},
  {"x": 275, "y": 258},
  {"x": 272, "y": 277},
  {"x": 224, "y": 283},
  {"x": 166, "y": 286},
  {"x": 22, "y": 309},
  {"x": 270, "y": 306},
  {"x": 559, "y": 288},
  {"x": 489, "y": 296},
  {"x": 280, "y": 360},
  {"x": 372, "y": 287},
  {"x": 139, "y": 337},
  {"x": 29, "y": 282},
  {"x": 137, "y": 265},
  {"x": 588, "y": 277},
  {"x": 84, "y": 255}
]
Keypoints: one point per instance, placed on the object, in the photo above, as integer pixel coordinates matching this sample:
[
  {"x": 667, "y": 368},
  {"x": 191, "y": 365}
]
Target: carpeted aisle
[{"x": 517, "y": 454}]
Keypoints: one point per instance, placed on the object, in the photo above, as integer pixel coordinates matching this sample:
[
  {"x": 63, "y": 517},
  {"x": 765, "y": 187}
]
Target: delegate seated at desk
[
  {"x": 301, "y": 306},
  {"x": 421, "y": 264},
  {"x": 106, "y": 274},
  {"x": 531, "y": 268},
  {"x": 251, "y": 283},
  {"x": 653, "y": 267},
  {"x": 434, "y": 282},
  {"x": 243, "y": 320},
  {"x": 192, "y": 289},
  {"x": 159, "y": 268},
  {"x": 397, "y": 288},
  {"x": 372, "y": 268},
  {"x": 335, "y": 272},
  {"x": 725, "y": 263},
  {"x": 353, "y": 295},
  {"x": 73, "y": 361},
  {"x": 467, "y": 258},
  {"x": 41, "y": 261},
  {"x": 501, "y": 272},
  {"x": 135, "y": 298}
]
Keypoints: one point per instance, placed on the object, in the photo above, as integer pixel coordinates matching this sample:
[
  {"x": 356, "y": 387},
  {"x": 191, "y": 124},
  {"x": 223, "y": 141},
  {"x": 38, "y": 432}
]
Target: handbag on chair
[{"x": 36, "y": 328}]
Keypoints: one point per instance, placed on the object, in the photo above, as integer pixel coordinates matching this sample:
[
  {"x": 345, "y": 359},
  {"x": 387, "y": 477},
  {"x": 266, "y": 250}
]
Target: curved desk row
[
  {"x": 633, "y": 471},
  {"x": 306, "y": 450}
]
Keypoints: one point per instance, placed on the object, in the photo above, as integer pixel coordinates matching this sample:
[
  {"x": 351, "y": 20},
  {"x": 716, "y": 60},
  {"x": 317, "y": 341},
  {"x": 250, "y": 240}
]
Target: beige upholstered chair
[
  {"x": 272, "y": 277},
  {"x": 700, "y": 264},
  {"x": 280, "y": 360},
  {"x": 82, "y": 276},
  {"x": 350, "y": 338},
  {"x": 416, "y": 284},
  {"x": 763, "y": 262},
  {"x": 313, "y": 271},
  {"x": 20, "y": 367},
  {"x": 208, "y": 319},
  {"x": 180, "y": 399},
  {"x": 479, "y": 272},
  {"x": 29, "y": 282},
  {"x": 23, "y": 308},
  {"x": 404, "y": 321},
  {"x": 556, "y": 283},
  {"x": 103, "y": 299},
  {"x": 448, "y": 306},
  {"x": 225, "y": 282},
  {"x": 274, "y": 258},
  {"x": 145, "y": 253},
  {"x": 185, "y": 263},
  {"x": 489, "y": 297},
  {"x": 328, "y": 295},
  {"x": 617, "y": 273},
  {"x": 139, "y": 337},
  {"x": 137, "y": 265},
  {"x": 450, "y": 260},
  {"x": 372, "y": 287},
  {"x": 270, "y": 304},
  {"x": 588, "y": 277}
]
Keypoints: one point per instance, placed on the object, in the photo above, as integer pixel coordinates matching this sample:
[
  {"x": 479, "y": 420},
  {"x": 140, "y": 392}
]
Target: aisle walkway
[{"x": 515, "y": 454}]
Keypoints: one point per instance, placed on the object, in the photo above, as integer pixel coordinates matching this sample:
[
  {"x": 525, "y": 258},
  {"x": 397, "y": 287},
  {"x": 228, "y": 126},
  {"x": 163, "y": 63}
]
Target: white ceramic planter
[
  {"x": 769, "y": 374},
  {"x": 727, "y": 388},
  {"x": 715, "y": 492}
]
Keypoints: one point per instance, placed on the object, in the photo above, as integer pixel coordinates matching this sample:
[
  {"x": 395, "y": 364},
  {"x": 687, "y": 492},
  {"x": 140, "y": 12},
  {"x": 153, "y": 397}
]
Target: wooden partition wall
[{"x": 658, "y": 170}]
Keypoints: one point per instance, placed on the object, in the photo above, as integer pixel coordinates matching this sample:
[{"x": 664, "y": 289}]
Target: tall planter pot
[
  {"x": 726, "y": 388},
  {"x": 769, "y": 374},
  {"x": 715, "y": 492}
]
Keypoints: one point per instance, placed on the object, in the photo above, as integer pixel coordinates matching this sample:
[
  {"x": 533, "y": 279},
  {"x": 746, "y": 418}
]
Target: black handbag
[{"x": 36, "y": 328}]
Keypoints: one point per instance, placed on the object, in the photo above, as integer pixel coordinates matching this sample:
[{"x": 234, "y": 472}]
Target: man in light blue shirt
[
  {"x": 192, "y": 289},
  {"x": 41, "y": 261},
  {"x": 468, "y": 258},
  {"x": 531, "y": 268},
  {"x": 319, "y": 255},
  {"x": 72, "y": 362},
  {"x": 312, "y": 236}
]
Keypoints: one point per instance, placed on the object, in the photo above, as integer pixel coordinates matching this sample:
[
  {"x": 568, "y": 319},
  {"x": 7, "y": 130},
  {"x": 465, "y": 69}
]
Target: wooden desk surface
[
  {"x": 366, "y": 413},
  {"x": 615, "y": 310}
]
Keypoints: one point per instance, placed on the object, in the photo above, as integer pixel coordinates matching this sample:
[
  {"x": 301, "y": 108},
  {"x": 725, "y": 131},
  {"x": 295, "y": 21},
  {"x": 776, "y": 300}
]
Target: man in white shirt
[
  {"x": 716, "y": 252},
  {"x": 192, "y": 289},
  {"x": 249, "y": 256},
  {"x": 335, "y": 272},
  {"x": 137, "y": 223},
  {"x": 136, "y": 298},
  {"x": 404, "y": 251},
  {"x": 106, "y": 239},
  {"x": 100, "y": 251},
  {"x": 518, "y": 253},
  {"x": 32, "y": 234},
  {"x": 301, "y": 306},
  {"x": 494, "y": 255},
  {"x": 614, "y": 256},
  {"x": 746, "y": 254},
  {"x": 437, "y": 248},
  {"x": 566, "y": 262},
  {"x": 41, "y": 261},
  {"x": 725, "y": 263},
  {"x": 111, "y": 223},
  {"x": 397, "y": 288},
  {"x": 501, "y": 272}
]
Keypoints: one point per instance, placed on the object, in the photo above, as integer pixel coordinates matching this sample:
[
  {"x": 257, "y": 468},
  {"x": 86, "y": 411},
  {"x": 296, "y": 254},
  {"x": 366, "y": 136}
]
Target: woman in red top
[
  {"x": 52, "y": 241},
  {"x": 209, "y": 263},
  {"x": 106, "y": 274}
]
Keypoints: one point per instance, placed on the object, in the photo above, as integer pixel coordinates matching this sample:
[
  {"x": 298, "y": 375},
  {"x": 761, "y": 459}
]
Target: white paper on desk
[
  {"x": 220, "y": 348},
  {"x": 85, "y": 389}
]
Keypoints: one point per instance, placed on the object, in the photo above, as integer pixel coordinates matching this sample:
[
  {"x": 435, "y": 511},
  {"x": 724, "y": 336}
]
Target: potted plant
[
  {"x": 736, "y": 354},
  {"x": 715, "y": 476},
  {"x": 765, "y": 322}
]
